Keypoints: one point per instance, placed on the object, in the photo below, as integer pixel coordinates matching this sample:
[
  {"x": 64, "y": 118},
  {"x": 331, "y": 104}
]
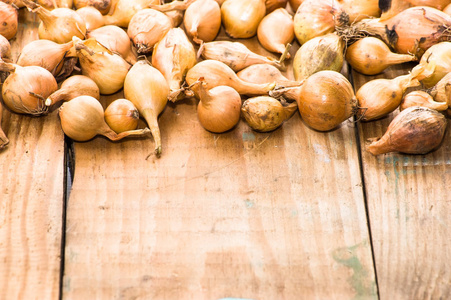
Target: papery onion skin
[
  {"x": 415, "y": 130},
  {"x": 146, "y": 28},
  {"x": 202, "y": 21},
  {"x": 265, "y": 113},
  {"x": 360, "y": 9},
  {"x": 103, "y": 6},
  {"x": 122, "y": 11},
  {"x": 276, "y": 30},
  {"x": 72, "y": 87},
  {"x": 272, "y": 5},
  {"x": 5, "y": 49},
  {"x": 241, "y": 17},
  {"x": 122, "y": 115},
  {"x": 50, "y": 4},
  {"x": 10, "y": 20},
  {"x": 26, "y": 88},
  {"x": 92, "y": 17},
  {"x": 440, "y": 56},
  {"x": 423, "y": 99},
  {"x": 327, "y": 99},
  {"x": 264, "y": 73}
]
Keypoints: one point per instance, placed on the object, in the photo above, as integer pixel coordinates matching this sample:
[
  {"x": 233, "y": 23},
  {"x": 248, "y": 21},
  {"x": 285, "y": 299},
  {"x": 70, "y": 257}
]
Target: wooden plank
[
  {"x": 242, "y": 214},
  {"x": 409, "y": 209},
  {"x": 32, "y": 191}
]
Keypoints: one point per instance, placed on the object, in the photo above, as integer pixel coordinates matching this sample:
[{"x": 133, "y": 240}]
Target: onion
[
  {"x": 415, "y": 130},
  {"x": 264, "y": 73},
  {"x": 10, "y": 19},
  {"x": 216, "y": 73},
  {"x": 103, "y": 6},
  {"x": 447, "y": 9},
  {"x": 437, "y": 57},
  {"x": 327, "y": 99},
  {"x": 202, "y": 21},
  {"x": 116, "y": 40},
  {"x": 276, "y": 30},
  {"x": 58, "y": 25},
  {"x": 173, "y": 56},
  {"x": 174, "y": 5},
  {"x": 146, "y": 28},
  {"x": 320, "y": 53},
  {"x": 122, "y": 11},
  {"x": 108, "y": 70},
  {"x": 72, "y": 87},
  {"x": 413, "y": 30},
  {"x": 5, "y": 49},
  {"x": 16, "y": 3},
  {"x": 148, "y": 90},
  {"x": 92, "y": 17},
  {"x": 265, "y": 113},
  {"x": 82, "y": 119},
  {"x": 26, "y": 88},
  {"x": 294, "y": 4},
  {"x": 371, "y": 56},
  {"x": 423, "y": 99},
  {"x": 379, "y": 97},
  {"x": 442, "y": 90},
  {"x": 3, "y": 139},
  {"x": 391, "y": 8},
  {"x": 219, "y": 108},
  {"x": 122, "y": 115},
  {"x": 46, "y": 54},
  {"x": 52, "y": 4},
  {"x": 272, "y": 5},
  {"x": 359, "y": 9},
  {"x": 316, "y": 18},
  {"x": 241, "y": 17},
  {"x": 234, "y": 54}
]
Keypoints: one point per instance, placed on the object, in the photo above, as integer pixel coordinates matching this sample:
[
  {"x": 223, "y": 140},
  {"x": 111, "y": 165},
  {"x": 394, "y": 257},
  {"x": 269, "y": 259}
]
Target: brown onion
[
  {"x": 116, "y": 40},
  {"x": 122, "y": 11},
  {"x": 327, "y": 99},
  {"x": 26, "y": 88},
  {"x": 103, "y": 6},
  {"x": 276, "y": 30},
  {"x": 146, "y": 28},
  {"x": 202, "y": 20},
  {"x": 148, "y": 90},
  {"x": 173, "y": 56},
  {"x": 415, "y": 130},
  {"x": 423, "y": 99},
  {"x": 92, "y": 17},
  {"x": 266, "y": 114},
  {"x": 3, "y": 139},
  {"x": 216, "y": 73},
  {"x": 5, "y": 49},
  {"x": 272, "y": 5},
  {"x": 82, "y": 119},
  {"x": 72, "y": 87},
  {"x": 294, "y": 4},
  {"x": 241, "y": 17},
  {"x": 10, "y": 19},
  {"x": 46, "y": 54},
  {"x": 122, "y": 115},
  {"x": 219, "y": 108}
]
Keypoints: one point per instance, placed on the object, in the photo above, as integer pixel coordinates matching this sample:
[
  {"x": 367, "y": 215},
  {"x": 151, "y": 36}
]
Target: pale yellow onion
[
  {"x": 234, "y": 54},
  {"x": 173, "y": 56},
  {"x": 276, "y": 30},
  {"x": 26, "y": 88},
  {"x": 82, "y": 119},
  {"x": 52, "y": 4},
  {"x": 122, "y": 115},
  {"x": 241, "y": 17},
  {"x": 58, "y": 25},
  {"x": 202, "y": 21},
  {"x": 72, "y": 87},
  {"x": 3, "y": 138},
  {"x": 174, "y": 10},
  {"x": 103, "y": 6},
  {"x": 264, "y": 113},
  {"x": 264, "y": 73},
  {"x": 371, "y": 56},
  {"x": 216, "y": 73},
  {"x": 146, "y": 28},
  {"x": 46, "y": 54},
  {"x": 10, "y": 19},
  {"x": 438, "y": 55},
  {"x": 360, "y": 9},
  {"x": 320, "y": 53},
  {"x": 316, "y": 18},
  {"x": 148, "y": 90},
  {"x": 122, "y": 11},
  {"x": 108, "y": 70},
  {"x": 116, "y": 40},
  {"x": 442, "y": 90},
  {"x": 219, "y": 108},
  {"x": 92, "y": 17},
  {"x": 423, "y": 99}
]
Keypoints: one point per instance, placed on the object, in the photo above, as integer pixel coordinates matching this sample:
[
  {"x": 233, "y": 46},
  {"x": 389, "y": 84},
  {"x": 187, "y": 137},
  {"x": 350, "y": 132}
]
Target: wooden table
[{"x": 291, "y": 214}]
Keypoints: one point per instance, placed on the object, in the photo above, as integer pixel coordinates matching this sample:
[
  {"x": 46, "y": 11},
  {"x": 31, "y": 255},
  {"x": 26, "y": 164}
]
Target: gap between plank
[{"x": 362, "y": 179}]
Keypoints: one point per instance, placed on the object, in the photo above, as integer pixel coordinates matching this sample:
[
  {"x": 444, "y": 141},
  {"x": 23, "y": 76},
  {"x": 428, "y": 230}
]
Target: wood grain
[
  {"x": 242, "y": 214},
  {"x": 32, "y": 191},
  {"x": 409, "y": 209}
]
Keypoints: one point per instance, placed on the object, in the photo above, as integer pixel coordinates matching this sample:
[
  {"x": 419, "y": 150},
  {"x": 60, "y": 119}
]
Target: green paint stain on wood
[{"x": 361, "y": 280}]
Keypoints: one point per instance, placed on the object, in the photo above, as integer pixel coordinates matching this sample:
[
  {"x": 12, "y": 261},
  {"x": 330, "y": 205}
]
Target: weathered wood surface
[
  {"x": 409, "y": 206},
  {"x": 242, "y": 214},
  {"x": 31, "y": 201}
]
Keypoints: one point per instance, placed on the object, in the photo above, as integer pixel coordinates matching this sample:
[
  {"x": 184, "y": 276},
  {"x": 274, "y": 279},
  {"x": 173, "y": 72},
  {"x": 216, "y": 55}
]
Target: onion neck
[
  {"x": 152, "y": 121},
  {"x": 59, "y": 95},
  {"x": 252, "y": 89},
  {"x": 395, "y": 58},
  {"x": 174, "y": 5},
  {"x": 7, "y": 67},
  {"x": 292, "y": 93},
  {"x": 406, "y": 81},
  {"x": 379, "y": 147},
  {"x": 289, "y": 109},
  {"x": 113, "y": 136},
  {"x": 200, "y": 88}
]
